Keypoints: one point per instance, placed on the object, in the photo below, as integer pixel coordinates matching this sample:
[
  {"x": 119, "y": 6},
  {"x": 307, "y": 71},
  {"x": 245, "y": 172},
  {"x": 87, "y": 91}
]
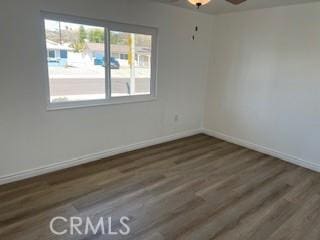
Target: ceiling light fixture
[{"x": 199, "y": 3}]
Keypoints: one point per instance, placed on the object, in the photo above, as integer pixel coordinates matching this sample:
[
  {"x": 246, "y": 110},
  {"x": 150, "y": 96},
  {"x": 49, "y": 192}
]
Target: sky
[{"x": 54, "y": 25}]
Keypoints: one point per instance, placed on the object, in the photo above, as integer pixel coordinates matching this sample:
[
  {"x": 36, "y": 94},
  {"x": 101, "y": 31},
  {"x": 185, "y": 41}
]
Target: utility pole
[
  {"x": 60, "y": 34},
  {"x": 131, "y": 60}
]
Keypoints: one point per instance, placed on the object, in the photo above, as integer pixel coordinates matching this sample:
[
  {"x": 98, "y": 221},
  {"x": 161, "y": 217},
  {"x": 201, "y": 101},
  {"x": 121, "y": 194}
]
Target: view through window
[
  {"x": 130, "y": 63},
  {"x": 75, "y": 61},
  {"x": 79, "y": 70}
]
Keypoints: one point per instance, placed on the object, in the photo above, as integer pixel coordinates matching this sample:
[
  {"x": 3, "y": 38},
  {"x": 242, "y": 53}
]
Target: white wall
[
  {"x": 31, "y": 137},
  {"x": 264, "y": 83}
]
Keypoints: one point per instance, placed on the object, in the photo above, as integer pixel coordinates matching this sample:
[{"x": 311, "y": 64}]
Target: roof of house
[
  {"x": 99, "y": 47},
  {"x": 58, "y": 46},
  {"x": 95, "y": 47}
]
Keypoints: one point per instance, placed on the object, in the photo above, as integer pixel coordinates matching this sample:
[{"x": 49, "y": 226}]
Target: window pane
[
  {"x": 130, "y": 63},
  {"x": 75, "y": 61}
]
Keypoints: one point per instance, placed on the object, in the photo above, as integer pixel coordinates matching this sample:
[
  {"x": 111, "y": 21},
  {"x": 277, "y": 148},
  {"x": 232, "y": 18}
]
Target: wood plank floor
[{"x": 193, "y": 188}]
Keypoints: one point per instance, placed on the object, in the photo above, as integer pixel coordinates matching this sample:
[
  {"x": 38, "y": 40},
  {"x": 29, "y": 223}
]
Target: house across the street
[
  {"x": 57, "y": 53},
  {"x": 120, "y": 53}
]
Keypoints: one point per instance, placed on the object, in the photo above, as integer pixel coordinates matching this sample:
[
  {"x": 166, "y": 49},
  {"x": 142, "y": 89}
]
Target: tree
[
  {"x": 96, "y": 36},
  {"x": 119, "y": 38},
  {"x": 143, "y": 40},
  {"x": 114, "y": 38},
  {"x": 78, "y": 46},
  {"x": 82, "y": 34}
]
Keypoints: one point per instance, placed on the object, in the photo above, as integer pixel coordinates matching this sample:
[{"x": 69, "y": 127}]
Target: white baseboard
[
  {"x": 93, "y": 157},
  {"x": 283, "y": 156},
  {"x": 110, "y": 152}
]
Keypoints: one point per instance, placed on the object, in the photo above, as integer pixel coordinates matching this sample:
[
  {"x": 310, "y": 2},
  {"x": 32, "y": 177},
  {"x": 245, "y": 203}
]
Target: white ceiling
[{"x": 222, "y": 6}]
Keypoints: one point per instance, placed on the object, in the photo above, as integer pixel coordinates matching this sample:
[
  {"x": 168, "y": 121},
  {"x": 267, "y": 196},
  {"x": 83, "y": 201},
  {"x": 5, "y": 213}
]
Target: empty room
[{"x": 160, "y": 119}]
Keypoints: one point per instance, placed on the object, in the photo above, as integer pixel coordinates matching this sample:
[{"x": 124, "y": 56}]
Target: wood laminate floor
[{"x": 193, "y": 188}]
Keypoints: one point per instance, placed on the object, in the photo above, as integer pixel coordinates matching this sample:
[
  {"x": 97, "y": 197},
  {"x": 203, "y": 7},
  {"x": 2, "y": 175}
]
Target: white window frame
[{"x": 108, "y": 26}]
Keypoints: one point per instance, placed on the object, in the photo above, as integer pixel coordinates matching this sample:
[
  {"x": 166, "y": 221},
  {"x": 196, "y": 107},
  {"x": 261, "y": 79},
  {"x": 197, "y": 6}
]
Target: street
[{"x": 87, "y": 86}]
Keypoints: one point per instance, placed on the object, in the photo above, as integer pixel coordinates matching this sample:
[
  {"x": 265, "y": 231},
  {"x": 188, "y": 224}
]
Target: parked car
[
  {"x": 114, "y": 64},
  {"x": 99, "y": 61}
]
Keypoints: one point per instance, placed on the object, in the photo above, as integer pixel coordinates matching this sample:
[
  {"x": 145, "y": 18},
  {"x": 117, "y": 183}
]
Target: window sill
[{"x": 97, "y": 103}]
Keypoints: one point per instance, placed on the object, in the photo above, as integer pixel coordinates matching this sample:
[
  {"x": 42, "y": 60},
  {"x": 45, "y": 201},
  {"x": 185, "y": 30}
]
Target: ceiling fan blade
[
  {"x": 167, "y": 1},
  {"x": 236, "y": 2}
]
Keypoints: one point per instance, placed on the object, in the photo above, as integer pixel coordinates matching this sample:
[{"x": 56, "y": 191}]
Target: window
[
  {"x": 51, "y": 54},
  {"x": 124, "y": 56},
  {"x": 63, "y": 53},
  {"x": 132, "y": 78},
  {"x": 93, "y": 62}
]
